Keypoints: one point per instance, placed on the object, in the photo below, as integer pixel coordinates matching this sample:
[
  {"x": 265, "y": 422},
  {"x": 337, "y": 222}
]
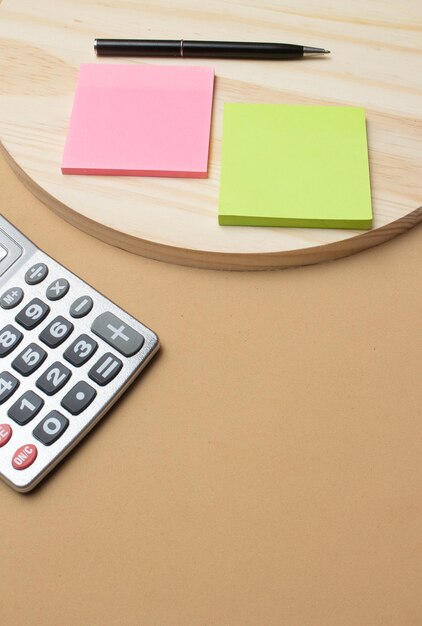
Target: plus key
[{"x": 117, "y": 334}]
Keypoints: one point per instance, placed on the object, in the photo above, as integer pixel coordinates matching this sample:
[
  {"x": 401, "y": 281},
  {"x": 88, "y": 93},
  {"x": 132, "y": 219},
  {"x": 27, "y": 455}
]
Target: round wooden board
[{"x": 375, "y": 63}]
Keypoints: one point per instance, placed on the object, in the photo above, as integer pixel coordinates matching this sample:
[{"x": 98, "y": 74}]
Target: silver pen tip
[{"x": 308, "y": 51}]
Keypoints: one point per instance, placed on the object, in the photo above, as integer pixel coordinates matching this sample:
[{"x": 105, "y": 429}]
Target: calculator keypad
[{"x": 66, "y": 352}]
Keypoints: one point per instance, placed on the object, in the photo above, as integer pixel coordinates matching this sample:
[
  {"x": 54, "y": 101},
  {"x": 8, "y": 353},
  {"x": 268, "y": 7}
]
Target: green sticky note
[{"x": 287, "y": 165}]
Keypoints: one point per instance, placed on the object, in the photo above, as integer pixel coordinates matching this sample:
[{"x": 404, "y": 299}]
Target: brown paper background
[{"x": 265, "y": 470}]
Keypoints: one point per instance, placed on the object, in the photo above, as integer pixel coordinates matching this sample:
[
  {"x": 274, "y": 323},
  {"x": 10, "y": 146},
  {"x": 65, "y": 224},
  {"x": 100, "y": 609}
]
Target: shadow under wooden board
[{"x": 375, "y": 63}]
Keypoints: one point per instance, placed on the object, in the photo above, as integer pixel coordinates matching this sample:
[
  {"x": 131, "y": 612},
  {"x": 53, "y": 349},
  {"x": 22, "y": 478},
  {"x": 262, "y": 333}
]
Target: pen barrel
[
  {"x": 241, "y": 50},
  {"x": 138, "y": 47},
  {"x": 196, "y": 49}
]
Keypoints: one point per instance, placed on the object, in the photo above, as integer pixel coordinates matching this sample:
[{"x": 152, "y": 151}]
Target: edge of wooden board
[{"x": 217, "y": 260}]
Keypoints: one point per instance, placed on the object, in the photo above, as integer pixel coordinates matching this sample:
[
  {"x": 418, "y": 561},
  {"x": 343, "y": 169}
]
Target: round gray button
[
  {"x": 11, "y": 298},
  {"x": 36, "y": 274},
  {"x": 51, "y": 428},
  {"x": 57, "y": 289},
  {"x": 81, "y": 306}
]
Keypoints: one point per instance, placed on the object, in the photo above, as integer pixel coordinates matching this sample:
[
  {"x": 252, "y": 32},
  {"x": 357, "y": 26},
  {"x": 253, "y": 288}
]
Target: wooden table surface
[
  {"x": 265, "y": 470},
  {"x": 375, "y": 63}
]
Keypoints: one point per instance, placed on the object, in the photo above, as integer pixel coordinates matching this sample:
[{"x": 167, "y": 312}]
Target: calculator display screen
[{"x": 10, "y": 251}]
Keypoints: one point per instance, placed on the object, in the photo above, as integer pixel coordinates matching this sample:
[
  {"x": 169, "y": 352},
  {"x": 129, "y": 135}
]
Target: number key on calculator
[{"x": 66, "y": 354}]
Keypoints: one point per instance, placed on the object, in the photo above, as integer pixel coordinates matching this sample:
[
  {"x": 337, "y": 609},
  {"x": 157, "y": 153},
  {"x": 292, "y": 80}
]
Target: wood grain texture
[{"x": 375, "y": 63}]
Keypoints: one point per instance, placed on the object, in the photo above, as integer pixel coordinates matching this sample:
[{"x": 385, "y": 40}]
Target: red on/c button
[
  {"x": 5, "y": 433},
  {"x": 24, "y": 456}
]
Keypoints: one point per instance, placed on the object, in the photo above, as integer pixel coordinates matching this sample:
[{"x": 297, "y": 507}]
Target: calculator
[{"x": 66, "y": 355}]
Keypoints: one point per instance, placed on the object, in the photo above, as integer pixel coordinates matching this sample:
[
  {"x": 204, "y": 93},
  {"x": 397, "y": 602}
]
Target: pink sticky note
[{"x": 140, "y": 120}]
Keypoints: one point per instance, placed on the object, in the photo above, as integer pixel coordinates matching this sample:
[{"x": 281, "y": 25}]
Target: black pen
[{"x": 205, "y": 49}]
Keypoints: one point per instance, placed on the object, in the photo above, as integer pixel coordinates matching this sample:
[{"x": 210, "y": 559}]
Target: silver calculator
[{"x": 66, "y": 354}]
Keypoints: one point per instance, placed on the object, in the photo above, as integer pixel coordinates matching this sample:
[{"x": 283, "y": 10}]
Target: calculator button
[
  {"x": 36, "y": 274},
  {"x": 78, "y": 398},
  {"x": 8, "y": 386},
  {"x": 26, "y": 408},
  {"x": 80, "y": 350},
  {"x": 11, "y": 298},
  {"x": 10, "y": 337},
  {"x": 5, "y": 434},
  {"x": 56, "y": 332},
  {"x": 117, "y": 334},
  {"x": 24, "y": 456},
  {"x": 33, "y": 314},
  {"x": 54, "y": 378},
  {"x": 29, "y": 359},
  {"x": 105, "y": 369},
  {"x": 58, "y": 289},
  {"x": 51, "y": 428},
  {"x": 81, "y": 306}
]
